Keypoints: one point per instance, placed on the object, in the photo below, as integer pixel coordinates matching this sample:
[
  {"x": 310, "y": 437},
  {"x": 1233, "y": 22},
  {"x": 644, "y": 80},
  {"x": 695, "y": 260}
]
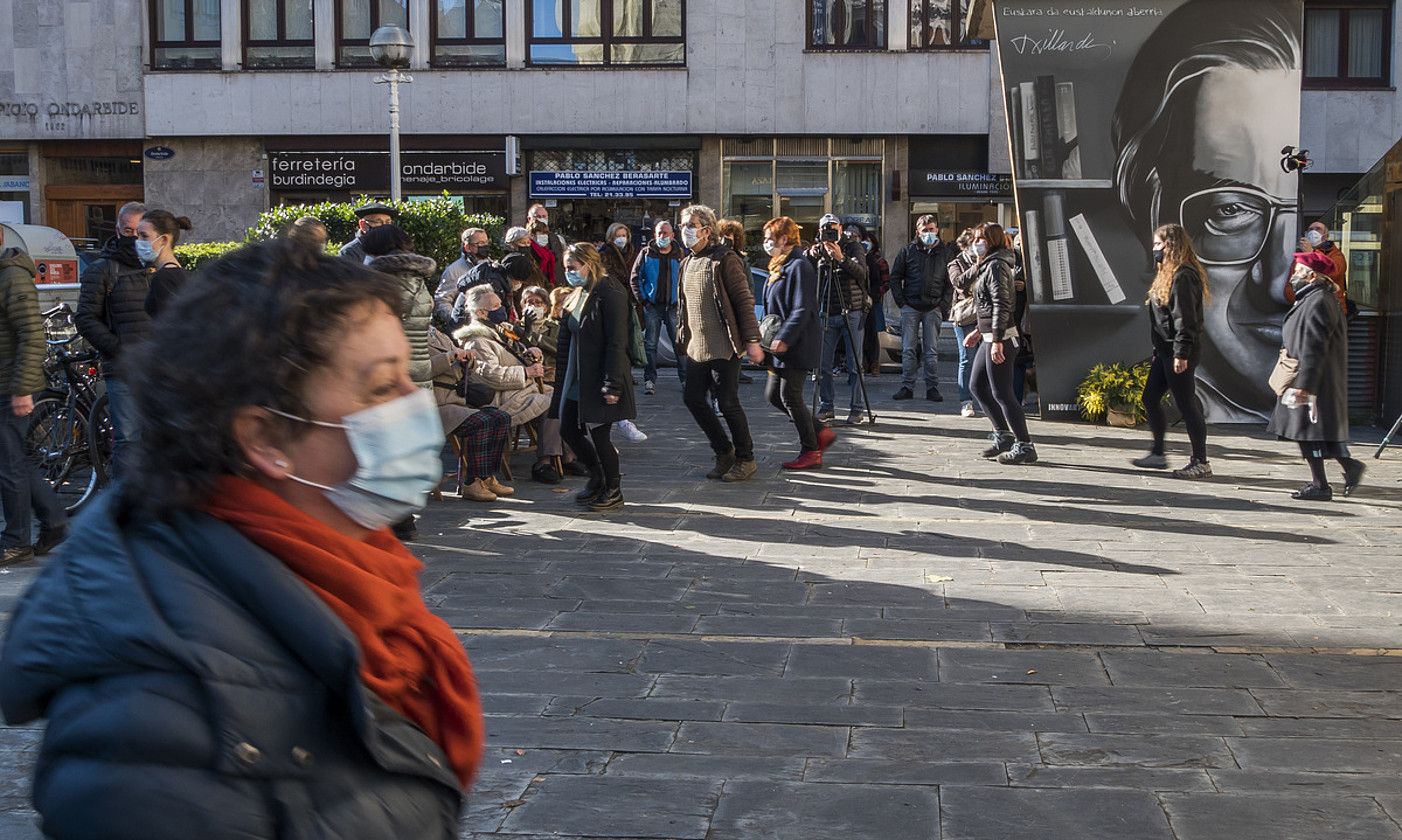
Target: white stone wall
[
  {"x": 1350, "y": 130},
  {"x": 210, "y": 179}
]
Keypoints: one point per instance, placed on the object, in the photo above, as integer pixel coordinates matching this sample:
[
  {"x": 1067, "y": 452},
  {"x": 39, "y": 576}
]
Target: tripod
[
  {"x": 854, "y": 354},
  {"x": 1387, "y": 438}
]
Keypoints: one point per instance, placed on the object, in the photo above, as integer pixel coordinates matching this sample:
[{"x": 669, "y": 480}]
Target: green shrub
[
  {"x": 1113, "y": 386},
  {"x": 194, "y": 255},
  {"x": 435, "y": 225}
]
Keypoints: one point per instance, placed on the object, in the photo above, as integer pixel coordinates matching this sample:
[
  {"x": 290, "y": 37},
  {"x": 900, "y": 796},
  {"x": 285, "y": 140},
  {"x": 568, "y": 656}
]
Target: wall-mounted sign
[
  {"x": 14, "y": 183},
  {"x": 368, "y": 171},
  {"x": 946, "y": 183},
  {"x": 258, "y": 178},
  {"x": 611, "y": 185},
  {"x": 160, "y": 153}
]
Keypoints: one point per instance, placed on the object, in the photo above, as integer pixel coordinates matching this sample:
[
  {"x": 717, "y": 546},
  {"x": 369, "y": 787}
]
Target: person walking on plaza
[
  {"x": 1176, "y": 300},
  {"x": 717, "y": 328},
  {"x": 593, "y": 378},
  {"x": 995, "y": 336},
  {"x": 156, "y": 238},
  {"x": 791, "y": 306},
  {"x": 654, "y": 281},
  {"x": 921, "y": 289},
  {"x": 540, "y": 241},
  {"x": 961, "y": 313},
  {"x": 518, "y": 241},
  {"x": 368, "y": 217},
  {"x": 232, "y": 643},
  {"x": 841, "y": 267},
  {"x": 554, "y": 242},
  {"x": 24, "y": 494},
  {"x": 1313, "y": 410},
  {"x": 111, "y": 316}
]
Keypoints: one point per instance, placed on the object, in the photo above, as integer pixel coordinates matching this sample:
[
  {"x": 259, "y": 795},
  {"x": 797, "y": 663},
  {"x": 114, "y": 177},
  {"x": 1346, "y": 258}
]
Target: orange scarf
[{"x": 409, "y": 657}]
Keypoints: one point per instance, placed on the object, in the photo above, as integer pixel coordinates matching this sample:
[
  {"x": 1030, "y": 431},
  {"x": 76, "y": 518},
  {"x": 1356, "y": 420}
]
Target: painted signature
[{"x": 1057, "y": 41}]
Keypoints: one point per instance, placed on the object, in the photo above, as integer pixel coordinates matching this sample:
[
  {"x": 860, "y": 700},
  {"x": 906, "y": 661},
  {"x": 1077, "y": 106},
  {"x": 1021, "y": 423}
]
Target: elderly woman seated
[{"x": 482, "y": 433}]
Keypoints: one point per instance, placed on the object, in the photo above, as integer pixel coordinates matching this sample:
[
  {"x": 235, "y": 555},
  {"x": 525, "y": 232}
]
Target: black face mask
[{"x": 498, "y": 315}]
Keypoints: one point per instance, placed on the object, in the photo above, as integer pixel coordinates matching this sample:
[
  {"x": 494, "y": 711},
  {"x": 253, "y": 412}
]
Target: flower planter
[{"x": 1123, "y": 419}]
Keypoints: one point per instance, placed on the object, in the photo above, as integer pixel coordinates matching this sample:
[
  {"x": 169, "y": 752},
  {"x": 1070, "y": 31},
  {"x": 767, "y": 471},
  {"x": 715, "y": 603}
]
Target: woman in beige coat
[{"x": 483, "y": 434}]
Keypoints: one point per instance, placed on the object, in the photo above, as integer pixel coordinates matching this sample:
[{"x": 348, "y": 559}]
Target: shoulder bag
[{"x": 1283, "y": 375}]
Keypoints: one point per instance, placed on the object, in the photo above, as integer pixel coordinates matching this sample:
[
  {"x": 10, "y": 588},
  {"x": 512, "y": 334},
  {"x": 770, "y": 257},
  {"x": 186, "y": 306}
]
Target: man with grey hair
[
  {"x": 717, "y": 326},
  {"x": 475, "y": 249}
]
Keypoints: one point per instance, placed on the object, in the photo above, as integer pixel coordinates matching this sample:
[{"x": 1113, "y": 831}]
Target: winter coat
[
  {"x": 498, "y": 368},
  {"x": 551, "y": 265},
  {"x": 195, "y": 687},
  {"x": 1175, "y": 328},
  {"x": 734, "y": 297},
  {"x": 449, "y": 304},
  {"x": 111, "y": 312},
  {"x": 1339, "y": 276},
  {"x": 848, "y": 285},
  {"x": 649, "y": 266},
  {"x": 618, "y": 263},
  {"x": 1314, "y": 333},
  {"x": 353, "y": 251},
  {"x": 455, "y": 271},
  {"x": 920, "y": 277},
  {"x": 793, "y": 296},
  {"x": 22, "y": 345},
  {"x": 165, "y": 282},
  {"x": 994, "y": 297},
  {"x": 414, "y": 272},
  {"x": 878, "y": 276},
  {"x": 601, "y": 332},
  {"x": 447, "y": 373}
]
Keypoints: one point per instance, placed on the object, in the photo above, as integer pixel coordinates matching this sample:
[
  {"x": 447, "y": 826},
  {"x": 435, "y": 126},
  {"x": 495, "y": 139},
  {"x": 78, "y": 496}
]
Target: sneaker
[
  {"x": 497, "y": 487},
  {"x": 904, "y": 394},
  {"x": 477, "y": 491},
  {"x": 1195, "y": 469},
  {"x": 608, "y": 499},
  {"x": 856, "y": 417},
  {"x": 724, "y": 461},
  {"x": 630, "y": 431},
  {"x": 1151, "y": 462},
  {"x": 825, "y": 415},
  {"x": 49, "y": 538},
  {"x": 1353, "y": 476},
  {"x": 808, "y": 459},
  {"x": 649, "y": 387},
  {"x": 1021, "y": 453},
  {"x": 934, "y": 395},
  {"x": 544, "y": 472},
  {"x": 826, "y": 438},
  {"x": 1308, "y": 493},
  {"x": 966, "y": 408},
  {"x": 17, "y": 554},
  {"x": 1001, "y": 442},
  {"x": 743, "y": 470}
]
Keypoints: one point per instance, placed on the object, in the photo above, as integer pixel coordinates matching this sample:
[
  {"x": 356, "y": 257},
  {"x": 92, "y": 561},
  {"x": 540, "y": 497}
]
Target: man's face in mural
[{"x": 1240, "y": 210}]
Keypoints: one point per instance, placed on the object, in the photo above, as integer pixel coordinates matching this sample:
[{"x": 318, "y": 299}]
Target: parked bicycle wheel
[
  {"x": 100, "y": 440},
  {"x": 58, "y": 440}
]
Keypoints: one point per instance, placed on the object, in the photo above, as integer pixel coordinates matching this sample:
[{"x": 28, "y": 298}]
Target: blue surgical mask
[
  {"x": 980, "y": 249},
  {"x": 663, "y": 241},
  {"x": 397, "y": 446},
  {"x": 929, "y": 238},
  {"x": 620, "y": 242},
  {"x": 146, "y": 251},
  {"x": 574, "y": 278}
]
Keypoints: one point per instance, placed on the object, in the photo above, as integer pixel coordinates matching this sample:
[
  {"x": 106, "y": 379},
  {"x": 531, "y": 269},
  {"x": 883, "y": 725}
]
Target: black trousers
[
  {"x": 726, "y": 383},
  {"x": 784, "y": 390},
  {"x": 1183, "y": 386},
  {"x": 592, "y": 447},
  {"x": 992, "y": 385}
]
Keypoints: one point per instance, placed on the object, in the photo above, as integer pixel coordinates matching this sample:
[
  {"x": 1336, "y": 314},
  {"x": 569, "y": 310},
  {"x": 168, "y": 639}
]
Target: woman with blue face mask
[
  {"x": 247, "y": 615},
  {"x": 157, "y": 234}
]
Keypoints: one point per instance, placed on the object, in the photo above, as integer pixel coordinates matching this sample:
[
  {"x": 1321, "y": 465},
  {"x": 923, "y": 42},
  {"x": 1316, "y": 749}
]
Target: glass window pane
[
  {"x": 489, "y": 19},
  {"x": 547, "y": 18},
  {"x": 262, "y": 20},
  {"x": 649, "y": 54},
  {"x": 206, "y": 20},
  {"x": 628, "y": 18},
  {"x": 667, "y": 18},
  {"x": 298, "y": 17},
  {"x": 1365, "y": 43},
  {"x": 797, "y": 177},
  {"x": 394, "y": 13},
  {"x": 448, "y": 55},
  {"x": 584, "y": 18},
  {"x": 280, "y": 57},
  {"x": 856, "y": 191},
  {"x": 452, "y": 18},
  {"x": 170, "y": 21},
  {"x": 1322, "y": 43},
  {"x": 878, "y": 24},
  {"x": 355, "y": 19}
]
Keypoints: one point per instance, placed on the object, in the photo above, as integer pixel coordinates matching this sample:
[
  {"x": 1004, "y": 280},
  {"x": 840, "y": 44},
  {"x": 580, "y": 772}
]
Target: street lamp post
[{"x": 392, "y": 48}]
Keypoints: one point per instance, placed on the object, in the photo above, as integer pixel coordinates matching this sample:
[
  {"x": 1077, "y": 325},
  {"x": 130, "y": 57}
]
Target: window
[
  {"x": 1348, "y": 44},
  {"x": 468, "y": 33},
  {"x": 606, "y": 32},
  {"x": 846, "y": 24},
  {"x": 356, "y": 19},
  {"x": 185, "y": 34},
  {"x": 939, "y": 24},
  {"x": 278, "y": 34}
]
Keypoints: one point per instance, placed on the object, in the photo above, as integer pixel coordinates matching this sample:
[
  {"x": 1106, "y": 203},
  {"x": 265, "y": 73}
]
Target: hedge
[{"x": 197, "y": 254}]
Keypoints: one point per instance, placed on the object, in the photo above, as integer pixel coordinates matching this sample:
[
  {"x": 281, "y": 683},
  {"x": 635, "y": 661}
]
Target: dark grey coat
[
  {"x": 601, "y": 333},
  {"x": 1314, "y": 332}
]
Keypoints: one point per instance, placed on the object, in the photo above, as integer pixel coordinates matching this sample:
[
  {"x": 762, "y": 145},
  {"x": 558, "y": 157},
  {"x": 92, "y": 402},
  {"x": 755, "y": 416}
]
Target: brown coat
[{"x": 733, "y": 295}]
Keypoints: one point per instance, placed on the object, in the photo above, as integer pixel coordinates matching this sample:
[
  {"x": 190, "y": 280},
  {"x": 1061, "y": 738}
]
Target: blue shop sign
[{"x": 610, "y": 185}]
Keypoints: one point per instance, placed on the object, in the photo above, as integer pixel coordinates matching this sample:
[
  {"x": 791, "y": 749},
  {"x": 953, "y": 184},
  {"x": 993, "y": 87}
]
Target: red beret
[{"x": 1316, "y": 262}]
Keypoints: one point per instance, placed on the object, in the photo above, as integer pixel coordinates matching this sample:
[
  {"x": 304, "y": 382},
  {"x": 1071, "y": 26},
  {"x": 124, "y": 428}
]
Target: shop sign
[
  {"x": 368, "y": 171},
  {"x": 611, "y": 185},
  {"x": 14, "y": 183},
  {"x": 952, "y": 183},
  {"x": 160, "y": 153}
]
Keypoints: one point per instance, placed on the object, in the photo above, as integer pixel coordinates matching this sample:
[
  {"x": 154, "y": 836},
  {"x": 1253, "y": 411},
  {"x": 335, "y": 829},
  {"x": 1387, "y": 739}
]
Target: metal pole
[{"x": 394, "y": 188}]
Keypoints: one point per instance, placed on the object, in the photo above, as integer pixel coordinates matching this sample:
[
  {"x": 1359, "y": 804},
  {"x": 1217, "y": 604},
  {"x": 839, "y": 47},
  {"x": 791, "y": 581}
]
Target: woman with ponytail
[{"x": 156, "y": 237}]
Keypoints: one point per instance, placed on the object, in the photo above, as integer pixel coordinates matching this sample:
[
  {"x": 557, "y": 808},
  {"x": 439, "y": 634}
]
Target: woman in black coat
[
  {"x": 996, "y": 337},
  {"x": 1314, "y": 409},
  {"x": 593, "y": 376},
  {"x": 791, "y": 296},
  {"x": 1176, "y": 299}
]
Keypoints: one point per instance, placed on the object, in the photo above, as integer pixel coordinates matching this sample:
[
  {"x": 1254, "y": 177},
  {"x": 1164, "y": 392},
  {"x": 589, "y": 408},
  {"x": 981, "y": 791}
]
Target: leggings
[
  {"x": 1183, "y": 386},
  {"x": 784, "y": 390},
  {"x": 1316, "y": 451},
  {"x": 483, "y": 437},
  {"x": 593, "y": 446},
  {"x": 992, "y": 385}
]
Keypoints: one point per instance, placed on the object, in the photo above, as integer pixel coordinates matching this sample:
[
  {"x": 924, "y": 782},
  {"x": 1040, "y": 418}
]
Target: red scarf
[
  {"x": 409, "y": 657},
  {"x": 545, "y": 258}
]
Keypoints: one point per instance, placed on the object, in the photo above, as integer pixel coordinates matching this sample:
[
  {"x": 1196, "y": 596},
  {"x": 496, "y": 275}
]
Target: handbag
[
  {"x": 769, "y": 330},
  {"x": 964, "y": 312},
  {"x": 475, "y": 394},
  {"x": 1283, "y": 375}
]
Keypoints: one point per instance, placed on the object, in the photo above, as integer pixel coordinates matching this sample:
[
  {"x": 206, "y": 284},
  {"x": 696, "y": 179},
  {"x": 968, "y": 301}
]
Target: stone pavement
[{"x": 915, "y": 643}]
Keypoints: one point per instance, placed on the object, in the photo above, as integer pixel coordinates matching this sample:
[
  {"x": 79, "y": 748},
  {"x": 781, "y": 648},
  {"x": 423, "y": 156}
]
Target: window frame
[
  {"x": 607, "y": 40},
  {"x": 246, "y": 15},
  {"x": 188, "y": 42},
  {"x": 809, "y": 46},
  {"x": 957, "y": 10},
  {"x": 1342, "y": 81},
  {"x": 375, "y": 23},
  {"x": 435, "y": 40}
]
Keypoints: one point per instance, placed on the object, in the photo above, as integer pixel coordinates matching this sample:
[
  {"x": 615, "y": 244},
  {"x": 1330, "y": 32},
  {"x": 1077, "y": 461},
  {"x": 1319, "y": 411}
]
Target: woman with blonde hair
[{"x": 1176, "y": 300}]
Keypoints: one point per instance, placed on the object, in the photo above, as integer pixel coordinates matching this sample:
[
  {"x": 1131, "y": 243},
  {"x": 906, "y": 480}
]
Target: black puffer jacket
[
  {"x": 600, "y": 334},
  {"x": 848, "y": 284},
  {"x": 111, "y": 311},
  {"x": 994, "y": 296},
  {"x": 920, "y": 277},
  {"x": 1175, "y": 328}
]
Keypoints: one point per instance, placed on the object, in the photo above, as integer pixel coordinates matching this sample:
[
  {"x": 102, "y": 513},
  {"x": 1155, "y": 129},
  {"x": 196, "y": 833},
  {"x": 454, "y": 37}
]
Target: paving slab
[
  {"x": 618, "y": 806},
  {"x": 1259, "y": 817},
  {"x": 992, "y": 813},
  {"x": 789, "y": 811}
]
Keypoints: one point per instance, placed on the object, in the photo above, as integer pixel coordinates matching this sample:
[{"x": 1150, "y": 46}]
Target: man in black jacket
[
  {"x": 842, "y": 278},
  {"x": 112, "y": 317},
  {"x": 921, "y": 288}
]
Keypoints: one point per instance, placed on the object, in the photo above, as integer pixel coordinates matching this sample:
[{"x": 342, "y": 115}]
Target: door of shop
[{"x": 88, "y": 211}]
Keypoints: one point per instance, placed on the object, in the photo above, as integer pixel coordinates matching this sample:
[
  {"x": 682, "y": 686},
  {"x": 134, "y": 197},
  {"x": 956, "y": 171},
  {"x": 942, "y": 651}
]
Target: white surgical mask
[
  {"x": 1314, "y": 237},
  {"x": 664, "y": 241},
  {"x": 543, "y": 240},
  {"x": 866, "y": 246},
  {"x": 771, "y": 247},
  {"x": 929, "y": 238},
  {"x": 980, "y": 249},
  {"x": 146, "y": 251},
  {"x": 690, "y": 236},
  {"x": 621, "y": 242}
]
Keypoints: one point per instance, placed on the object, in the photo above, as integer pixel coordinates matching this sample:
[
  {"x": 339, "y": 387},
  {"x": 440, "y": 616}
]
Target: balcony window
[
  {"x": 468, "y": 33},
  {"x": 1348, "y": 45},
  {"x": 846, "y": 24},
  {"x": 356, "y": 19},
  {"x": 278, "y": 34},
  {"x": 185, "y": 34},
  {"x": 939, "y": 24},
  {"x": 606, "y": 32}
]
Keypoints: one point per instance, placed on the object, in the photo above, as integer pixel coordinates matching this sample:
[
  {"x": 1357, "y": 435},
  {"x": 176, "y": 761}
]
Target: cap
[
  {"x": 516, "y": 266},
  {"x": 1316, "y": 262},
  {"x": 829, "y": 219},
  {"x": 514, "y": 234},
  {"x": 376, "y": 207}
]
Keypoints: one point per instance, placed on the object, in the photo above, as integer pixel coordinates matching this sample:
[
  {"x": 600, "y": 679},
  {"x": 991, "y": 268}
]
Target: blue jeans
[
  {"x": 125, "y": 431},
  {"x": 835, "y": 333},
  {"x": 23, "y": 490},
  {"x": 655, "y": 317},
  {"x": 966, "y": 361},
  {"x": 922, "y": 330}
]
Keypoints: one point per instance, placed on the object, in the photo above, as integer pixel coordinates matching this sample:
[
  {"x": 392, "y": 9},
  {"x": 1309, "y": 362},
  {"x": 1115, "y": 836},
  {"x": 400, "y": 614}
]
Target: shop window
[
  {"x": 185, "y": 34},
  {"x": 468, "y": 33},
  {"x": 277, "y": 34},
  {"x": 856, "y": 192},
  {"x": 939, "y": 24},
  {"x": 846, "y": 24},
  {"x": 606, "y": 32},
  {"x": 1348, "y": 44},
  {"x": 356, "y": 19},
  {"x": 14, "y": 187},
  {"x": 802, "y": 178}
]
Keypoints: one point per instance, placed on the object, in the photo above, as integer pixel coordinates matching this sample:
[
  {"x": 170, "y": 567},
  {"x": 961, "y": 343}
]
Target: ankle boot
[
  {"x": 1020, "y": 453},
  {"x": 591, "y": 490},
  {"x": 808, "y": 459},
  {"x": 724, "y": 461},
  {"x": 610, "y": 498},
  {"x": 1001, "y": 442}
]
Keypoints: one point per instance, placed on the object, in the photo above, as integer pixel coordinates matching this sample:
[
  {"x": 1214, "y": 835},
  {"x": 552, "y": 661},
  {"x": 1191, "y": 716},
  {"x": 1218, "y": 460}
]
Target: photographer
[
  {"x": 842, "y": 283},
  {"x": 920, "y": 287}
]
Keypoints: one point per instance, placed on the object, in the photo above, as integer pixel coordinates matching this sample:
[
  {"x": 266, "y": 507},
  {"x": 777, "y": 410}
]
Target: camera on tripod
[{"x": 831, "y": 233}]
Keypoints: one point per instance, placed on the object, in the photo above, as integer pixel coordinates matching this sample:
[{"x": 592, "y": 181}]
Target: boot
[
  {"x": 724, "y": 461},
  {"x": 49, "y": 538},
  {"x": 1021, "y": 453},
  {"x": 1353, "y": 476},
  {"x": 743, "y": 470},
  {"x": 826, "y": 438},
  {"x": 591, "y": 490},
  {"x": 610, "y": 498},
  {"x": 1002, "y": 442},
  {"x": 808, "y": 459},
  {"x": 497, "y": 487},
  {"x": 478, "y": 491}
]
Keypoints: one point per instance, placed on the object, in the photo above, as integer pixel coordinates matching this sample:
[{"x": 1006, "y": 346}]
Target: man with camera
[
  {"x": 920, "y": 287},
  {"x": 842, "y": 283}
]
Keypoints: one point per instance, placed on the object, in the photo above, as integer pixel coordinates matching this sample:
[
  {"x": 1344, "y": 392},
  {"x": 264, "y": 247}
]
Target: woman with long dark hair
[
  {"x": 1176, "y": 301},
  {"x": 791, "y": 299},
  {"x": 995, "y": 336}
]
